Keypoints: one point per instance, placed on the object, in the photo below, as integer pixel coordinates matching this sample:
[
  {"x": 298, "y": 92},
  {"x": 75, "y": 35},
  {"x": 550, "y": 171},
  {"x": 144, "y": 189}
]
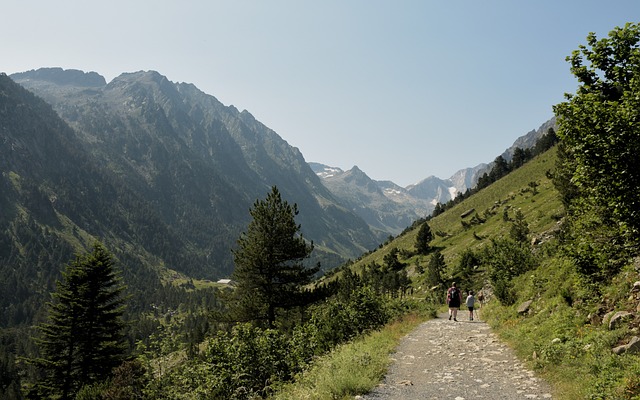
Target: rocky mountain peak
[{"x": 59, "y": 76}]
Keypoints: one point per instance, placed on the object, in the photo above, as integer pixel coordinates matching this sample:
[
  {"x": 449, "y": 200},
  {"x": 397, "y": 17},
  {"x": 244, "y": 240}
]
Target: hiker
[
  {"x": 470, "y": 302},
  {"x": 454, "y": 298}
]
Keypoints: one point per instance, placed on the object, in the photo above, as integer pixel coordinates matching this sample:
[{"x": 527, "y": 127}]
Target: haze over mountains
[{"x": 196, "y": 166}]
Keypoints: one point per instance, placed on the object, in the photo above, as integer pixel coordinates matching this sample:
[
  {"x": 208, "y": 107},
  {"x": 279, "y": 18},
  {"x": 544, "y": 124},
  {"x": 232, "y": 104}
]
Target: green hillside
[
  {"x": 564, "y": 332},
  {"x": 541, "y": 207}
]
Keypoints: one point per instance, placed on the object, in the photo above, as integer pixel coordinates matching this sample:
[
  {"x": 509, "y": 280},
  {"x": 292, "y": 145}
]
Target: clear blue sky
[{"x": 402, "y": 89}]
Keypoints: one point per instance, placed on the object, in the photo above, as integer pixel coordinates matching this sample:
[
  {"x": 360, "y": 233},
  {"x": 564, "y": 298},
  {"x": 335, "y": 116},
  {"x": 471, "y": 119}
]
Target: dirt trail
[{"x": 462, "y": 360}]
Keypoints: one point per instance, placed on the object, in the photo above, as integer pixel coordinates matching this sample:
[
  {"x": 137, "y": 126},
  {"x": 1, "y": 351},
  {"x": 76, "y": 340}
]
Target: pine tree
[
  {"x": 435, "y": 269},
  {"x": 423, "y": 238},
  {"x": 82, "y": 341},
  {"x": 519, "y": 228},
  {"x": 269, "y": 272},
  {"x": 391, "y": 260}
]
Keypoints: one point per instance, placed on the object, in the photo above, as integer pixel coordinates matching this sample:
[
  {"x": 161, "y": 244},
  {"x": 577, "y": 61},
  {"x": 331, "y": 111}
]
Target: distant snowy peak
[
  {"x": 385, "y": 206},
  {"x": 434, "y": 190},
  {"x": 393, "y": 191},
  {"x": 325, "y": 171}
]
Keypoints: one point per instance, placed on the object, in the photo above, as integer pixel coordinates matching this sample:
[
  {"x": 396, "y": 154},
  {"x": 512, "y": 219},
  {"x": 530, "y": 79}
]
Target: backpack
[{"x": 454, "y": 295}]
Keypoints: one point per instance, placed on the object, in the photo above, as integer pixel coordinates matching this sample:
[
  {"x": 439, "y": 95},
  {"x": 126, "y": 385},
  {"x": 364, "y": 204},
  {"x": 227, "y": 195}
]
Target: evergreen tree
[
  {"x": 391, "y": 260},
  {"x": 547, "y": 141},
  {"x": 269, "y": 272},
  {"x": 82, "y": 341},
  {"x": 519, "y": 228},
  {"x": 423, "y": 238},
  {"x": 500, "y": 169},
  {"x": 435, "y": 269},
  {"x": 520, "y": 156}
]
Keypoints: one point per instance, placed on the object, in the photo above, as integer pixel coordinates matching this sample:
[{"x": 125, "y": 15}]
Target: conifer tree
[
  {"x": 435, "y": 269},
  {"x": 519, "y": 228},
  {"x": 423, "y": 238},
  {"x": 82, "y": 341},
  {"x": 269, "y": 270}
]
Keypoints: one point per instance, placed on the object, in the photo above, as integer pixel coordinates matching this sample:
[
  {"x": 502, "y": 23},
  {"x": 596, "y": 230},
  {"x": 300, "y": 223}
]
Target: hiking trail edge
[{"x": 464, "y": 360}]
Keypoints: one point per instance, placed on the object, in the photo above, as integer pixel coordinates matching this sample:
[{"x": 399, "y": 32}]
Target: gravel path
[{"x": 462, "y": 360}]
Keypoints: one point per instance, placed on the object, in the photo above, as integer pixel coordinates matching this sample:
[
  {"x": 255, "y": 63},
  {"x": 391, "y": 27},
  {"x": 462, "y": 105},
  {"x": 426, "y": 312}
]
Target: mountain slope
[
  {"x": 386, "y": 207},
  {"x": 456, "y": 231},
  {"x": 55, "y": 200},
  {"x": 200, "y": 163}
]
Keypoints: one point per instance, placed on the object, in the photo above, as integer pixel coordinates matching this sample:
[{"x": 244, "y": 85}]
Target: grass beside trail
[
  {"x": 557, "y": 338},
  {"x": 351, "y": 369}
]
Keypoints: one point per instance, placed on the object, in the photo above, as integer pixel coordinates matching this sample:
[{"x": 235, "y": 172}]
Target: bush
[
  {"x": 507, "y": 259},
  {"x": 338, "y": 321},
  {"x": 249, "y": 362}
]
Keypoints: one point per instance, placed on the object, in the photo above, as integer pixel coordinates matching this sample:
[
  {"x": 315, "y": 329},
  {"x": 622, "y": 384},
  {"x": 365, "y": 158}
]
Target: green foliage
[
  {"x": 386, "y": 281},
  {"x": 83, "y": 340},
  {"x": 562, "y": 336},
  {"x": 435, "y": 270},
  {"x": 596, "y": 246},
  {"x": 507, "y": 259},
  {"x": 269, "y": 270},
  {"x": 519, "y": 228},
  {"x": 391, "y": 261},
  {"x": 423, "y": 238},
  {"x": 339, "y": 321},
  {"x": 600, "y": 132},
  {"x": 467, "y": 264},
  {"x": 249, "y": 362},
  {"x": 128, "y": 383}
]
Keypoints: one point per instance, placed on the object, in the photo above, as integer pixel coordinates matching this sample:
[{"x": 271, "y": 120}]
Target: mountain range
[
  {"x": 391, "y": 208},
  {"x": 162, "y": 167}
]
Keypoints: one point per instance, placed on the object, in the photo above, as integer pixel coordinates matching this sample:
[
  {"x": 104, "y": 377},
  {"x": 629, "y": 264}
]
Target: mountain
[
  {"x": 387, "y": 206},
  {"x": 55, "y": 200},
  {"x": 196, "y": 164}
]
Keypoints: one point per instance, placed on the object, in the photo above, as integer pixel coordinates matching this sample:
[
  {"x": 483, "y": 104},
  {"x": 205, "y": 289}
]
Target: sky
[{"x": 402, "y": 89}]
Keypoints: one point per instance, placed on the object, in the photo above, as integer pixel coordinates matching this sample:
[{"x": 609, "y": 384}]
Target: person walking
[
  {"x": 454, "y": 299},
  {"x": 470, "y": 303}
]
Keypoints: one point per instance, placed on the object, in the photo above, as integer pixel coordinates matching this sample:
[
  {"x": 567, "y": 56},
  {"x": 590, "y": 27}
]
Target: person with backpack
[{"x": 454, "y": 299}]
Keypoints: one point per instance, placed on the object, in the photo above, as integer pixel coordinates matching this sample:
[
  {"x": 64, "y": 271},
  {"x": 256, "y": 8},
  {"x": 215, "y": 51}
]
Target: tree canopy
[
  {"x": 269, "y": 271},
  {"x": 599, "y": 127}
]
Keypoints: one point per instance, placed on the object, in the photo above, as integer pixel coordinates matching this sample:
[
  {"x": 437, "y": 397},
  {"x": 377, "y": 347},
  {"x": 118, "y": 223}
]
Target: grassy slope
[
  {"x": 555, "y": 337},
  {"x": 541, "y": 211}
]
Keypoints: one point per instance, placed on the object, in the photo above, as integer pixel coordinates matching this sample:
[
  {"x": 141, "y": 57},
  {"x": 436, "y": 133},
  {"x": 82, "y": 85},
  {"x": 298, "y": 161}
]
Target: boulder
[
  {"x": 524, "y": 307},
  {"x": 467, "y": 213},
  {"x": 619, "y": 318},
  {"x": 633, "y": 347},
  {"x": 607, "y": 317}
]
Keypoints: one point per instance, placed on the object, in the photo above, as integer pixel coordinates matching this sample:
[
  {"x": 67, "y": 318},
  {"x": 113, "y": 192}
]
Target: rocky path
[{"x": 461, "y": 360}]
